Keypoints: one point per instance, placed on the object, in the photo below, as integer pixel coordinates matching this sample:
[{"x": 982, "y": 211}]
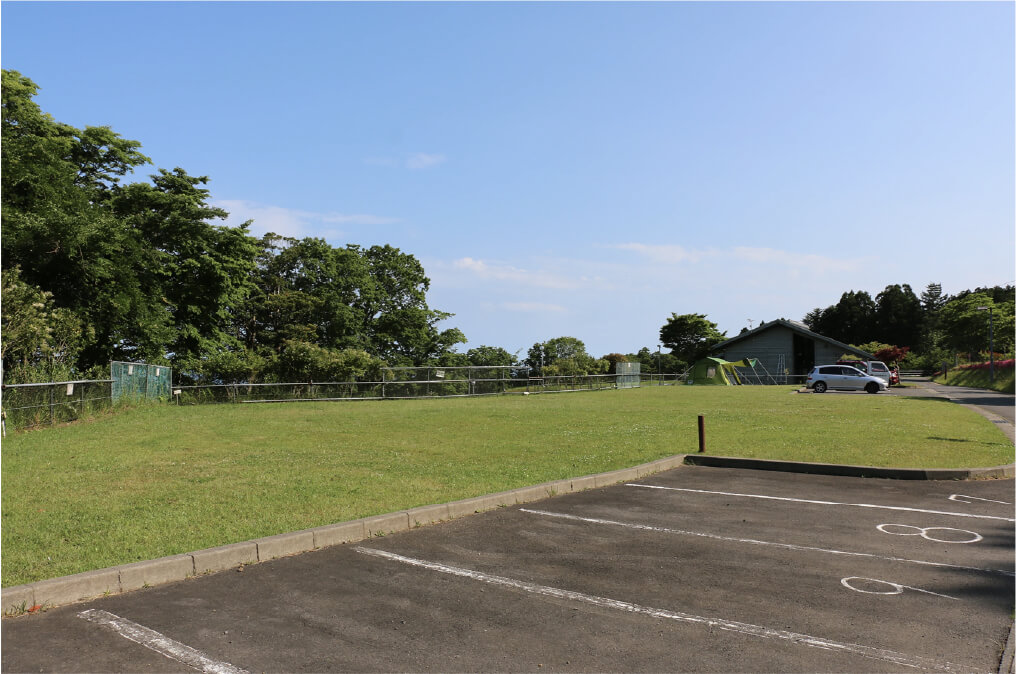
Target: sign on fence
[{"x": 140, "y": 380}]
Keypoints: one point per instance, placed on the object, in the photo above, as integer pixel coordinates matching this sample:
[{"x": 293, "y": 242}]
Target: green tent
[{"x": 717, "y": 372}]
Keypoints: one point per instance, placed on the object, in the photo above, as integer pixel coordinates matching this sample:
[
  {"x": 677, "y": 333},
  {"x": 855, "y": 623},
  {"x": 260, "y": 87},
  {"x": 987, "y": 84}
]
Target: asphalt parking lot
[{"x": 695, "y": 569}]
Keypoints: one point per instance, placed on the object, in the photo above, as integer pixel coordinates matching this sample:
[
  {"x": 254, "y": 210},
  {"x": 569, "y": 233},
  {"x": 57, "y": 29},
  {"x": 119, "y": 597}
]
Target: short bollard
[{"x": 701, "y": 434}]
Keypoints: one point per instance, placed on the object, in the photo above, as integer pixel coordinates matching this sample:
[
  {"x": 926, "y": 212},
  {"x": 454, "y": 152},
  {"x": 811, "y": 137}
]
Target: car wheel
[
  {"x": 871, "y": 387},
  {"x": 820, "y": 387}
]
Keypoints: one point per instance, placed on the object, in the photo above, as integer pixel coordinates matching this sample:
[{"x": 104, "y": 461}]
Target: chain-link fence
[
  {"x": 417, "y": 382},
  {"x": 31, "y": 405},
  {"x": 47, "y": 403},
  {"x": 395, "y": 383}
]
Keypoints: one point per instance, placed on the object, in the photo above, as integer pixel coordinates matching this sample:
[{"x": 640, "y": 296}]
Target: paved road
[
  {"x": 696, "y": 569},
  {"x": 997, "y": 407},
  {"x": 1001, "y": 404}
]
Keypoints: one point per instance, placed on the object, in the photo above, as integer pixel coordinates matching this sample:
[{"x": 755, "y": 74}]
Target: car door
[
  {"x": 832, "y": 375},
  {"x": 853, "y": 379}
]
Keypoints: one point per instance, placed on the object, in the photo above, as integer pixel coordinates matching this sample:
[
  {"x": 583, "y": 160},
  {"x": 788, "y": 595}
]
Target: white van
[{"x": 872, "y": 368}]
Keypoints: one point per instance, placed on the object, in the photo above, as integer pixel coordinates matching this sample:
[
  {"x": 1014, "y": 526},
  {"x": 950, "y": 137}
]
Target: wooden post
[{"x": 701, "y": 434}]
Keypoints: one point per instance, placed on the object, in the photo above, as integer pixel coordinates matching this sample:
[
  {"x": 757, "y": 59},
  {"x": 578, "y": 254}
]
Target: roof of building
[{"x": 797, "y": 327}]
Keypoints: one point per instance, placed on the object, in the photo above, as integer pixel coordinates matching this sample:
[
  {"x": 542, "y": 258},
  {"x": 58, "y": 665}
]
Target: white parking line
[
  {"x": 959, "y": 499},
  {"x": 151, "y": 639},
  {"x": 752, "y": 541},
  {"x": 718, "y": 623},
  {"x": 832, "y": 503}
]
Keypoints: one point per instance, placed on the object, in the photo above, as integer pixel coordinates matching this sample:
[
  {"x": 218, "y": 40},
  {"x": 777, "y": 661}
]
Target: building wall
[
  {"x": 827, "y": 353},
  {"x": 767, "y": 346}
]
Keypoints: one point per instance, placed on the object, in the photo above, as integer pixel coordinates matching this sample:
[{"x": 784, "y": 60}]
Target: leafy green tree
[
  {"x": 151, "y": 275},
  {"x": 302, "y": 361},
  {"x": 200, "y": 272},
  {"x": 613, "y": 359},
  {"x": 56, "y": 183},
  {"x": 303, "y": 291},
  {"x": 690, "y": 336},
  {"x": 965, "y": 328},
  {"x": 899, "y": 316},
  {"x": 932, "y": 300},
  {"x": 33, "y": 330},
  {"x": 370, "y": 299},
  {"x": 224, "y": 366},
  {"x": 489, "y": 356},
  {"x": 558, "y": 349}
]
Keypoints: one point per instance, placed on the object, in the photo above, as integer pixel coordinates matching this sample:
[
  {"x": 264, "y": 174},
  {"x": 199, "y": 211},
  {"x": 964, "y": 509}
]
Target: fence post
[{"x": 51, "y": 387}]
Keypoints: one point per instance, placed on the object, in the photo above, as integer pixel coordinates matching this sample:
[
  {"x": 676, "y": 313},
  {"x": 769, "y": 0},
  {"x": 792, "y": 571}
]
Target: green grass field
[
  {"x": 1005, "y": 381},
  {"x": 161, "y": 480}
]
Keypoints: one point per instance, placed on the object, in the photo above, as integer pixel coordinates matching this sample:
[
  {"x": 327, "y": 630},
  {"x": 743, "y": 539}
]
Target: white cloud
[
  {"x": 805, "y": 261},
  {"x": 534, "y": 307},
  {"x": 501, "y": 272},
  {"x": 414, "y": 162},
  {"x": 293, "y": 222},
  {"x": 662, "y": 253},
  {"x": 616, "y": 297},
  {"x": 424, "y": 161},
  {"x": 779, "y": 259}
]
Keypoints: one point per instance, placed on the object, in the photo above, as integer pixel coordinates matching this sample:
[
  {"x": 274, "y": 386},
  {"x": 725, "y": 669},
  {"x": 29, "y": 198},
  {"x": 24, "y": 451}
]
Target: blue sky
[{"x": 579, "y": 169}]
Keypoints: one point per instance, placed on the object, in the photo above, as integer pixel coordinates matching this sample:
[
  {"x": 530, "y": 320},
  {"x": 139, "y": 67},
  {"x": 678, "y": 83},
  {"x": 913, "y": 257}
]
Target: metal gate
[
  {"x": 629, "y": 375},
  {"x": 140, "y": 380}
]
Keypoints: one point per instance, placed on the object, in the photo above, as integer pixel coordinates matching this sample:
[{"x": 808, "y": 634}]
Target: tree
[
  {"x": 545, "y": 354},
  {"x": 690, "y": 336},
  {"x": 932, "y": 300},
  {"x": 614, "y": 359},
  {"x": 57, "y": 181},
  {"x": 200, "y": 272},
  {"x": 344, "y": 298},
  {"x": 150, "y": 275},
  {"x": 301, "y": 361},
  {"x": 965, "y": 328},
  {"x": 899, "y": 316},
  {"x": 32, "y": 329},
  {"x": 489, "y": 356}
]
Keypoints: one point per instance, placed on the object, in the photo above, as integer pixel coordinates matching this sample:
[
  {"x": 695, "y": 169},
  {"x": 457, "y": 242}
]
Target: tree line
[
  {"x": 97, "y": 270},
  {"x": 923, "y": 330}
]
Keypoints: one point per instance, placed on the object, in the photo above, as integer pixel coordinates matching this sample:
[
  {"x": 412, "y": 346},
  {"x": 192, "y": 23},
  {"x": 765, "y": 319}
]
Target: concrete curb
[
  {"x": 852, "y": 471},
  {"x": 69, "y": 589},
  {"x": 1006, "y": 665},
  {"x": 118, "y": 579}
]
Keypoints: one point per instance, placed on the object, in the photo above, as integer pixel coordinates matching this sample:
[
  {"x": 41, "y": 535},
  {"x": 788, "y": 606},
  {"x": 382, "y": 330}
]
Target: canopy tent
[{"x": 718, "y": 372}]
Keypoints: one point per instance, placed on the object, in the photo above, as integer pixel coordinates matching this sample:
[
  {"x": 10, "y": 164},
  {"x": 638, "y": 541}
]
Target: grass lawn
[
  {"x": 161, "y": 480},
  {"x": 1005, "y": 381}
]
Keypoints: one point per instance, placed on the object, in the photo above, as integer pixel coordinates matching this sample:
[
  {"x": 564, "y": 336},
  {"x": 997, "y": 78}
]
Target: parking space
[{"x": 695, "y": 569}]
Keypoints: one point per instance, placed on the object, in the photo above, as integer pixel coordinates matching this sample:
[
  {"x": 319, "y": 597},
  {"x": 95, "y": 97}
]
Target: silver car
[{"x": 843, "y": 377}]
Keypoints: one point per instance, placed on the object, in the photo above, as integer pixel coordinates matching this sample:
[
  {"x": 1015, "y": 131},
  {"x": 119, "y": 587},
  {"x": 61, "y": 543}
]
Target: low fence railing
[
  {"x": 400, "y": 390},
  {"x": 31, "y": 405}
]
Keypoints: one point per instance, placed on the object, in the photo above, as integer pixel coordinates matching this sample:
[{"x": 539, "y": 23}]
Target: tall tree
[
  {"x": 553, "y": 350},
  {"x": 690, "y": 336},
  {"x": 56, "y": 227},
  {"x": 33, "y": 331},
  {"x": 489, "y": 355},
  {"x": 965, "y": 327},
  {"x": 899, "y": 316},
  {"x": 198, "y": 271}
]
